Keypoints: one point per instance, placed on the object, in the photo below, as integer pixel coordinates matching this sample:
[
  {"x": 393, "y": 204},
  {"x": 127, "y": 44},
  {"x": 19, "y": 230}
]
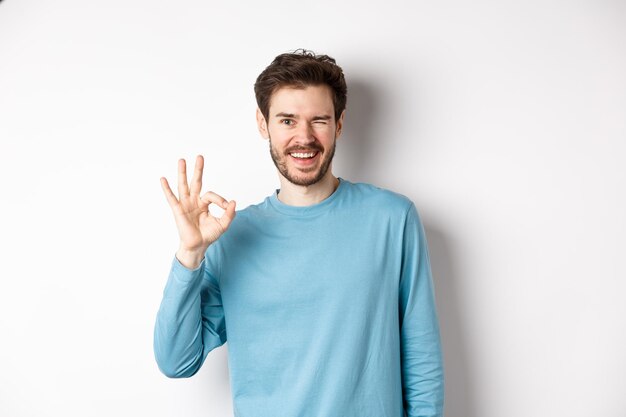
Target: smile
[{"x": 303, "y": 155}]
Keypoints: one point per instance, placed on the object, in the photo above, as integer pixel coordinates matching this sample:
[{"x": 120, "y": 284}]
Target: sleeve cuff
[{"x": 185, "y": 274}]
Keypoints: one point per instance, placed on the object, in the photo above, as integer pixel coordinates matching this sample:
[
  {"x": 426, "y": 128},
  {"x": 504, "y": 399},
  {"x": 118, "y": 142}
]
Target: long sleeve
[
  {"x": 190, "y": 321},
  {"x": 422, "y": 364}
]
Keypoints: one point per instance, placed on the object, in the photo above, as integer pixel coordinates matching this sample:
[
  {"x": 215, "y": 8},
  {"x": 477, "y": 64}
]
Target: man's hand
[{"x": 197, "y": 228}]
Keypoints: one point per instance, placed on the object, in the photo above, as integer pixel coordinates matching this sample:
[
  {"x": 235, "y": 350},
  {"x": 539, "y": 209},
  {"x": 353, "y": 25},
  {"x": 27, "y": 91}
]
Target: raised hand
[{"x": 197, "y": 227}]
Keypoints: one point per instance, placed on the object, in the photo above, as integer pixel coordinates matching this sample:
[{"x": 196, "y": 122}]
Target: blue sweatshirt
[{"x": 328, "y": 309}]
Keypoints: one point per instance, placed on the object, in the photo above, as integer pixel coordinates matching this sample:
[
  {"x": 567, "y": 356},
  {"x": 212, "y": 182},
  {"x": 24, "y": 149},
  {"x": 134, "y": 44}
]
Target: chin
[{"x": 308, "y": 179}]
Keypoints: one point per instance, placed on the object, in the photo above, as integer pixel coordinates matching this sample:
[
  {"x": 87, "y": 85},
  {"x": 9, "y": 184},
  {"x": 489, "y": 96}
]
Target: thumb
[{"x": 229, "y": 214}]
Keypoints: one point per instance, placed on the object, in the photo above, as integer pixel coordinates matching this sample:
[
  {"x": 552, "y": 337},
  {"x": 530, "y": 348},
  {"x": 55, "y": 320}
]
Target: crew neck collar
[{"x": 306, "y": 210}]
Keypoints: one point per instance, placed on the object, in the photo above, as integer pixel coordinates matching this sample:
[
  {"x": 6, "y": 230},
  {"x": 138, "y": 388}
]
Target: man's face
[{"x": 302, "y": 132}]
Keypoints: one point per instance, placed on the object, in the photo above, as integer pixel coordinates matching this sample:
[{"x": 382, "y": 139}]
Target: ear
[
  {"x": 339, "y": 124},
  {"x": 261, "y": 124}
]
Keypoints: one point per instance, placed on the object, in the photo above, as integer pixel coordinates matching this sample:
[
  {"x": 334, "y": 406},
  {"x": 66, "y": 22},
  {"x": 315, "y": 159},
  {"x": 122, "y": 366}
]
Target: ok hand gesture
[{"x": 197, "y": 227}]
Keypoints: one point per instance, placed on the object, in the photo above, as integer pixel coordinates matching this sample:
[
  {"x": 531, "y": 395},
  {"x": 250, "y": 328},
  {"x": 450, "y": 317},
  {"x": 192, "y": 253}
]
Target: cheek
[
  {"x": 323, "y": 130},
  {"x": 278, "y": 140},
  {"x": 327, "y": 136},
  {"x": 278, "y": 137},
  {"x": 280, "y": 134}
]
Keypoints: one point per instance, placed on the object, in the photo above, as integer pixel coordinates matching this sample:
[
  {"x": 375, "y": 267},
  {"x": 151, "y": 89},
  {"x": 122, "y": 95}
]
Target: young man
[{"x": 323, "y": 290}]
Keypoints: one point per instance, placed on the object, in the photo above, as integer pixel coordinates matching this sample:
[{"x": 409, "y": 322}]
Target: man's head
[
  {"x": 299, "y": 69},
  {"x": 301, "y": 100}
]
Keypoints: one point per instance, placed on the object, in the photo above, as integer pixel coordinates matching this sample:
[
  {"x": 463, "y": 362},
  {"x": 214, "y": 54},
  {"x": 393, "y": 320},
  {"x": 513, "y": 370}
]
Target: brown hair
[{"x": 299, "y": 69}]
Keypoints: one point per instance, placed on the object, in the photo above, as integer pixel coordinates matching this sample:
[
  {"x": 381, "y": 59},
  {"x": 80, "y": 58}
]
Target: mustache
[{"x": 312, "y": 148}]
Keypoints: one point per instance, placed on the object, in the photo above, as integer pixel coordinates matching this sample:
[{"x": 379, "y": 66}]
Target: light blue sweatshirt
[{"x": 328, "y": 309}]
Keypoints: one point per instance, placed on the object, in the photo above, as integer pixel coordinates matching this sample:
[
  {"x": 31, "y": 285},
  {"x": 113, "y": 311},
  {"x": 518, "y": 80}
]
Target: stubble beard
[{"x": 281, "y": 165}]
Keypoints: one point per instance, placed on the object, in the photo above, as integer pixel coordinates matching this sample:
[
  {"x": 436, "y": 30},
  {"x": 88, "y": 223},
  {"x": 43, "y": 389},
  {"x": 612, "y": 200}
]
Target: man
[{"x": 323, "y": 290}]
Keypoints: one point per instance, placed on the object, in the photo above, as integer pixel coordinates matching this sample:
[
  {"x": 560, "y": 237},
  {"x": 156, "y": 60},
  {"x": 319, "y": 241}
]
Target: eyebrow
[{"x": 293, "y": 116}]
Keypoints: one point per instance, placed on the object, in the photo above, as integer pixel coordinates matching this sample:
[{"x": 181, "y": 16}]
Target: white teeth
[{"x": 303, "y": 154}]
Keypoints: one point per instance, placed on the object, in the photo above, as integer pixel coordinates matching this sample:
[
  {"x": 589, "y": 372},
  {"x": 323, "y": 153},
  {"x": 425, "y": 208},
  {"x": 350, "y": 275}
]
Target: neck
[{"x": 303, "y": 195}]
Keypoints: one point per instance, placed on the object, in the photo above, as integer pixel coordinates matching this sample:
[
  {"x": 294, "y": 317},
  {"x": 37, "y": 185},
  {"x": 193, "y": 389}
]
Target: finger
[
  {"x": 183, "y": 188},
  {"x": 211, "y": 197},
  {"x": 196, "y": 181},
  {"x": 169, "y": 195},
  {"x": 228, "y": 216}
]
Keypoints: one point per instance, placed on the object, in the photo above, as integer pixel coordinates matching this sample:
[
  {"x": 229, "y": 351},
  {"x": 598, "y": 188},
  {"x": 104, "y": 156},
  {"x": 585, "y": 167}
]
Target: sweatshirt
[{"x": 328, "y": 309}]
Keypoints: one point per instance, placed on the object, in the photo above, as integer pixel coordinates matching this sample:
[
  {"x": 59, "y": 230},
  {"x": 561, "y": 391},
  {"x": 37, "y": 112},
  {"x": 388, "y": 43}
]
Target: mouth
[
  {"x": 304, "y": 158},
  {"x": 303, "y": 155}
]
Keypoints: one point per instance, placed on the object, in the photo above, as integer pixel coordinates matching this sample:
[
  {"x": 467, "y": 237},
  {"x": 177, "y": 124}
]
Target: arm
[
  {"x": 190, "y": 321},
  {"x": 422, "y": 365}
]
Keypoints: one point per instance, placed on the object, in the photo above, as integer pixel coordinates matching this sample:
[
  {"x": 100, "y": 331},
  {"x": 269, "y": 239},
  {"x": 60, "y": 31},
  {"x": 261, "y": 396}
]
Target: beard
[{"x": 293, "y": 177}]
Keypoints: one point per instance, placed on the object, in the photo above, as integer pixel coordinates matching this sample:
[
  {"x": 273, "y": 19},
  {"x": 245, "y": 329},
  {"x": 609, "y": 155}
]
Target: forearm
[
  {"x": 422, "y": 373},
  {"x": 178, "y": 345}
]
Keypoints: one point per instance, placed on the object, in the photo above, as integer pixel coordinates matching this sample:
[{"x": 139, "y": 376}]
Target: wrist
[{"x": 190, "y": 259}]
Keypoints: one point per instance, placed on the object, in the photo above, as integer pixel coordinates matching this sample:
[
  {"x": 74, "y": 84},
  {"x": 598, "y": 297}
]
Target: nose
[{"x": 304, "y": 134}]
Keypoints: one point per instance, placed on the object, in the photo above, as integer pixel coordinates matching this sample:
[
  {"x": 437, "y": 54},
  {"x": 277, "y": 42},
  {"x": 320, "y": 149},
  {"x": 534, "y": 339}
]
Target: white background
[{"x": 505, "y": 122}]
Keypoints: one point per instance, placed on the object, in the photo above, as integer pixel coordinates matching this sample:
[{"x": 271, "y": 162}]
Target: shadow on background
[
  {"x": 460, "y": 396},
  {"x": 356, "y": 155},
  {"x": 356, "y": 147}
]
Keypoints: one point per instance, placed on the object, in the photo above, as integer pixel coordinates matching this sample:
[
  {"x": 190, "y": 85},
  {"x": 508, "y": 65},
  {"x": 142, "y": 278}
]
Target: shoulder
[
  {"x": 372, "y": 196},
  {"x": 241, "y": 231},
  {"x": 253, "y": 212}
]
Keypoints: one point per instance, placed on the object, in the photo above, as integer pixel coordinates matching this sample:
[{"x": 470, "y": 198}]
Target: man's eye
[{"x": 287, "y": 122}]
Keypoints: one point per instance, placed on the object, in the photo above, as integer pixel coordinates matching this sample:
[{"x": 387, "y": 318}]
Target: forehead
[{"x": 311, "y": 99}]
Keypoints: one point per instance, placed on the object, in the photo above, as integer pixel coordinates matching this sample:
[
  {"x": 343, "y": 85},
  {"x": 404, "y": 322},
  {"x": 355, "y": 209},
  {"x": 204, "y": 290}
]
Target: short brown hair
[{"x": 299, "y": 69}]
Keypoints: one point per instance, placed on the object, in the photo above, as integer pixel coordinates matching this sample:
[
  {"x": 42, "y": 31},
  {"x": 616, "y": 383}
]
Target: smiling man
[
  {"x": 323, "y": 290},
  {"x": 311, "y": 154}
]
